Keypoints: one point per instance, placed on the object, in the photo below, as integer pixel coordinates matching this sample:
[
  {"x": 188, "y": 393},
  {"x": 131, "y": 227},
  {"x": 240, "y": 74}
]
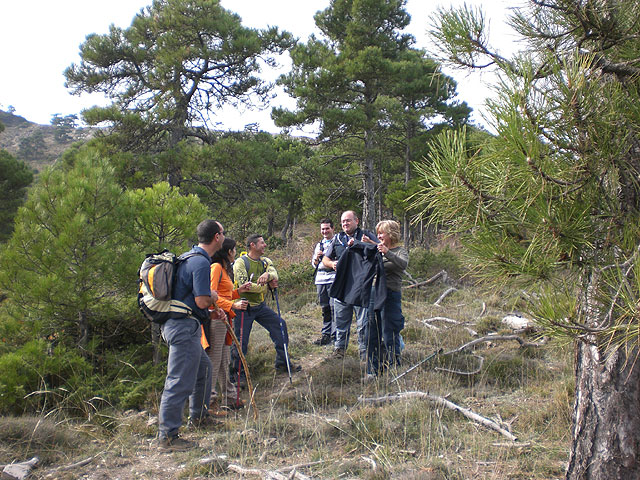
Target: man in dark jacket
[{"x": 344, "y": 311}]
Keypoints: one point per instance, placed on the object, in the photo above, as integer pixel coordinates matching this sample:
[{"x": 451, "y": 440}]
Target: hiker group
[
  {"x": 360, "y": 273},
  {"x": 217, "y": 297}
]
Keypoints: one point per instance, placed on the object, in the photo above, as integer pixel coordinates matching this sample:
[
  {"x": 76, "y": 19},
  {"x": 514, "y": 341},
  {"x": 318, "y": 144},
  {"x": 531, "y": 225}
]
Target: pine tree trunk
[
  {"x": 408, "y": 157},
  {"x": 606, "y": 412},
  {"x": 83, "y": 330},
  {"x": 368, "y": 186},
  {"x": 606, "y": 415}
]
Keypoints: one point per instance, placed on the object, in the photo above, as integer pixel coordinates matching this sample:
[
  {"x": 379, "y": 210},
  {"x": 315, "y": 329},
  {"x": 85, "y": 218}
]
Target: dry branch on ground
[{"x": 445, "y": 403}]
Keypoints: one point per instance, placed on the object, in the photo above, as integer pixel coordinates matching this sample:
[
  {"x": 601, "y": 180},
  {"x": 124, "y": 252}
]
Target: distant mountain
[{"x": 37, "y": 145}]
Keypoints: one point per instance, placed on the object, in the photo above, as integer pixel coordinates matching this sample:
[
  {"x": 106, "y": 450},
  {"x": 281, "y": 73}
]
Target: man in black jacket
[{"x": 344, "y": 311}]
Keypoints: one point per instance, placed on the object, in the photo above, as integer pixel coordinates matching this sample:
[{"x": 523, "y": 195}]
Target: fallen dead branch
[
  {"x": 425, "y": 360},
  {"x": 272, "y": 474},
  {"x": 444, "y": 295},
  {"x": 71, "y": 466},
  {"x": 441, "y": 319},
  {"x": 428, "y": 323},
  {"x": 491, "y": 338},
  {"x": 441, "y": 274},
  {"x": 488, "y": 338},
  {"x": 463, "y": 373},
  {"x": 300, "y": 465},
  {"x": 256, "y": 472},
  {"x": 445, "y": 403},
  {"x": 512, "y": 445}
]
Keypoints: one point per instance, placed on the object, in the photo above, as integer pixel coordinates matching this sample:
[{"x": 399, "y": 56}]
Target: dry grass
[{"x": 319, "y": 417}]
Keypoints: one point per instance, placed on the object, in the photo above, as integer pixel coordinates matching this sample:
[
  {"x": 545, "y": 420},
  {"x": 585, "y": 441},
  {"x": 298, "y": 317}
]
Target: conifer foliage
[
  {"x": 348, "y": 82},
  {"x": 177, "y": 62},
  {"x": 554, "y": 198}
]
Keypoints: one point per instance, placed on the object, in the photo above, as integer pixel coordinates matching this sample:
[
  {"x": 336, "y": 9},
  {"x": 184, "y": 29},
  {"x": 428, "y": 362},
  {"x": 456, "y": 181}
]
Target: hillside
[
  {"x": 330, "y": 423},
  {"x": 37, "y": 145}
]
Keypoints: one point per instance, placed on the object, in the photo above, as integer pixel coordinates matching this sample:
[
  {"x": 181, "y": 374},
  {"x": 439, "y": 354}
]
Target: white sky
[{"x": 40, "y": 38}]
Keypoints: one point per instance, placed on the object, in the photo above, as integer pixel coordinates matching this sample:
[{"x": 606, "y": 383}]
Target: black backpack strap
[{"x": 247, "y": 264}]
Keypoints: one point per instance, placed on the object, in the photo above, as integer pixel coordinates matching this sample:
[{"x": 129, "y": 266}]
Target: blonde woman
[{"x": 388, "y": 323}]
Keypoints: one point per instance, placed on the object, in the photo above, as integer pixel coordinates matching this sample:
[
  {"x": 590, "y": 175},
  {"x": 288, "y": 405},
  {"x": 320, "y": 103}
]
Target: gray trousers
[{"x": 188, "y": 375}]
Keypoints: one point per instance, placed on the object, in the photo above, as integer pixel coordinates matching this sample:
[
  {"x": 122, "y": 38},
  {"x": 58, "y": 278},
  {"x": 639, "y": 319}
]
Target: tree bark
[
  {"x": 270, "y": 226},
  {"x": 606, "y": 421},
  {"x": 83, "y": 330},
  {"x": 606, "y": 415},
  {"x": 408, "y": 158},
  {"x": 368, "y": 186}
]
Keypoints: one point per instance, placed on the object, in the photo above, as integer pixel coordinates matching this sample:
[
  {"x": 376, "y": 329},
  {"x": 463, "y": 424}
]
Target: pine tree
[
  {"x": 171, "y": 69},
  {"x": 554, "y": 199},
  {"x": 15, "y": 177}
]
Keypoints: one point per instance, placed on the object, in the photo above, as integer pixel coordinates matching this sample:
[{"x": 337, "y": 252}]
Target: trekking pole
[
  {"x": 240, "y": 354},
  {"x": 246, "y": 368},
  {"x": 286, "y": 350},
  {"x": 416, "y": 366}
]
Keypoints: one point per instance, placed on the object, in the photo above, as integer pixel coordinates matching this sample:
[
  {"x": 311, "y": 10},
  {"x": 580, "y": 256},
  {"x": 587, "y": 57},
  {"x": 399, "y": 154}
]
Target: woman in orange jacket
[{"x": 220, "y": 341}]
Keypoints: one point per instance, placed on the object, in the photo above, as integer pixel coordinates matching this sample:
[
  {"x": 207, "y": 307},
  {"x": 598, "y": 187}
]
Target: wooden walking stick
[{"x": 246, "y": 368}]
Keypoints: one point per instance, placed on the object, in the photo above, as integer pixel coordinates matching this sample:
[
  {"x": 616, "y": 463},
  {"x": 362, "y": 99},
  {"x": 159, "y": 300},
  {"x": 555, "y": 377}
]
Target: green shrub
[
  {"x": 426, "y": 263},
  {"x": 296, "y": 281},
  {"x": 32, "y": 379},
  {"x": 128, "y": 379}
]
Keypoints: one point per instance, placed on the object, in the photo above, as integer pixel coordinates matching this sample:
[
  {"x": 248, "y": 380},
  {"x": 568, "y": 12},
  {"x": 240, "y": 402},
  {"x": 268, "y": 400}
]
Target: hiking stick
[
  {"x": 244, "y": 363},
  {"x": 416, "y": 366},
  {"x": 286, "y": 350},
  {"x": 240, "y": 363}
]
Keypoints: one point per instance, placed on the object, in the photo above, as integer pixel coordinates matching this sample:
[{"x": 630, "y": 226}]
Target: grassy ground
[{"x": 319, "y": 422}]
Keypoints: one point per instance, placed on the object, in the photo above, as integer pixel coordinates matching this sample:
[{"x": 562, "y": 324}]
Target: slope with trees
[{"x": 15, "y": 178}]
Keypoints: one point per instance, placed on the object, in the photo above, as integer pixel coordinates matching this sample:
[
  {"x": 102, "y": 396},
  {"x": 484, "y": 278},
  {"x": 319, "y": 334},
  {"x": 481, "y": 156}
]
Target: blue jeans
[
  {"x": 343, "y": 314},
  {"x": 242, "y": 324},
  {"x": 188, "y": 375},
  {"x": 384, "y": 342},
  {"x": 393, "y": 324},
  {"x": 327, "y": 304},
  {"x": 375, "y": 345}
]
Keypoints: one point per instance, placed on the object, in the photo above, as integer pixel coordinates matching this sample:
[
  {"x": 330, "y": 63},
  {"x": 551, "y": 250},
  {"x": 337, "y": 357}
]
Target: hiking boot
[
  {"x": 206, "y": 421},
  {"x": 174, "y": 444},
  {"x": 218, "y": 413},
  {"x": 235, "y": 405},
  {"x": 283, "y": 368},
  {"x": 323, "y": 340},
  {"x": 338, "y": 353}
]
